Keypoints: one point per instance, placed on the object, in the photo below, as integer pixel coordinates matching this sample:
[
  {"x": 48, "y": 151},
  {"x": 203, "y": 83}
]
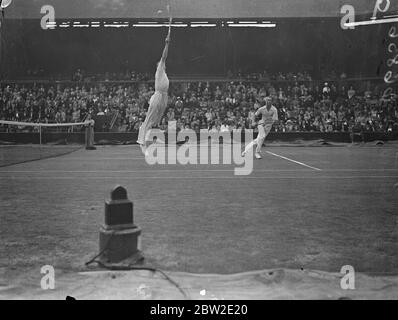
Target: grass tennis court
[{"x": 203, "y": 219}]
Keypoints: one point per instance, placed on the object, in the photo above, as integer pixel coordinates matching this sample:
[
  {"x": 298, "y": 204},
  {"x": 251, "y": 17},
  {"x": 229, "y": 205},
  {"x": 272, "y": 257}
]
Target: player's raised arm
[{"x": 166, "y": 48}]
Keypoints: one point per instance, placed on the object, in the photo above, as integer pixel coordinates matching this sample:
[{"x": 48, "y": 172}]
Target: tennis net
[{"x": 23, "y": 141}]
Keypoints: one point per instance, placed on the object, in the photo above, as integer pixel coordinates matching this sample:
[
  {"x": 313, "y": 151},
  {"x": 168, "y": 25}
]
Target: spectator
[{"x": 351, "y": 93}]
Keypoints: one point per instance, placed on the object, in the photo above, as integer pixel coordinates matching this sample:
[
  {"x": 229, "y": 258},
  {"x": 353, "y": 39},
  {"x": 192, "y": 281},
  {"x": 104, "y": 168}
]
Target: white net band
[{"x": 48, "y": 125}]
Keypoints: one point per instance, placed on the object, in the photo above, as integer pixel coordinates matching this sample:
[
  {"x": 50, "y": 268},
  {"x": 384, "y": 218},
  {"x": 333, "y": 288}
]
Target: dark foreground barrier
[
  {"x": 131, "y": 138},
  {"x": 119, "y": 236}
]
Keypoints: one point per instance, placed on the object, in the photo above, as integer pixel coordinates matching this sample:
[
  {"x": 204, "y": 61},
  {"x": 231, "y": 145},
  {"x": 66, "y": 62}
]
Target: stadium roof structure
[{"x": 192, "y": 9}]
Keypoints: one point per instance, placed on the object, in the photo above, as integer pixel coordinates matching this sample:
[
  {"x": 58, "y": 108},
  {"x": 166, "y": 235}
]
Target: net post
[
  {"x": 90, "y": 135},
  {"x": 40, "y": 135},
  {"x": 40, "y": 139}
]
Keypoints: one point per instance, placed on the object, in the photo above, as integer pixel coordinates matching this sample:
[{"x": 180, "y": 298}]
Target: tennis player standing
[{"x": 269, "y": 115}]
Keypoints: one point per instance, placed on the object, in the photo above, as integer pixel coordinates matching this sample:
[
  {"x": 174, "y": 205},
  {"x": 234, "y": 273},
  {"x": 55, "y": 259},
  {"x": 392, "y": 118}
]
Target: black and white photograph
[{"x": 220, "y": 151}]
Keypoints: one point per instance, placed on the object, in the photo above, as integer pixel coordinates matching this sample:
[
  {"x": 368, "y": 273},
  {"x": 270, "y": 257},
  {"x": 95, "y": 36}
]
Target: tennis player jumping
[{"x": 158, "y": 101}]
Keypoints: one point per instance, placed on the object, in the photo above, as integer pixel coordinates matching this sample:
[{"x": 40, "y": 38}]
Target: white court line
[
  {"x": 143, "y": 171},
  {"x": 93, "y": 159},
  {"x": 191, "y": 178},
  {"x": 298, "y": 162},
  {"x": 189, "y": 171}
]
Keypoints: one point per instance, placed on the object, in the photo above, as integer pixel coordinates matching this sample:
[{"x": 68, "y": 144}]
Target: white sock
[{"x": 143, "y": 149}]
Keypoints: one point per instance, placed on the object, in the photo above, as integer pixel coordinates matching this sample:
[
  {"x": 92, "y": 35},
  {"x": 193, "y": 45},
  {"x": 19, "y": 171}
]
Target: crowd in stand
[
  {"x": 303, "y": 105},
  {"x": 80, "y": 75}
]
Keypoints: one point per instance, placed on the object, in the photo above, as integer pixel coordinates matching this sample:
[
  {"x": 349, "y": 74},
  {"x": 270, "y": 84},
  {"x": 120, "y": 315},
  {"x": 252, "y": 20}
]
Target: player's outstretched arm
[{"x": 166, "y": 48}]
